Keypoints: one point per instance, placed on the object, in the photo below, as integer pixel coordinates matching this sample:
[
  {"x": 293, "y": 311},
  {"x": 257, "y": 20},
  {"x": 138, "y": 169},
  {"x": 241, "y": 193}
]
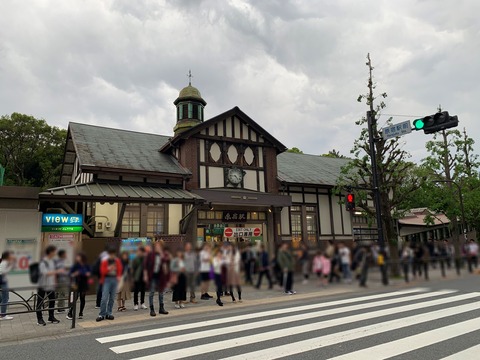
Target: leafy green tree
[
  {"x": 334, "y": 154},
  {"x": 31, "y": 151},
  {"x": 394, "y": 169},
  {"x": 295, "y": 150}
]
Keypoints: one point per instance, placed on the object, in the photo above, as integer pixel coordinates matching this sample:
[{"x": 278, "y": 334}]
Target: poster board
[
  {"x": 64, "y": 241},
  {"x": 24, "y": 250}
]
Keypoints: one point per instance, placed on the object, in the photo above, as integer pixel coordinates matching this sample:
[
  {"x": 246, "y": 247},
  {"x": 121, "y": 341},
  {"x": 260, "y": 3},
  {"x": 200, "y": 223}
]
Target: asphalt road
[{"x": 435, "y": 320}]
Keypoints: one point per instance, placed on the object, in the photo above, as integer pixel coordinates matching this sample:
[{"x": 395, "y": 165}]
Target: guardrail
[{"x": 32, "y": 304}]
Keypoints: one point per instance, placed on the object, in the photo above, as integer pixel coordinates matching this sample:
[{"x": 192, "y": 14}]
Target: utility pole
[{"x": 376, "y": 191}]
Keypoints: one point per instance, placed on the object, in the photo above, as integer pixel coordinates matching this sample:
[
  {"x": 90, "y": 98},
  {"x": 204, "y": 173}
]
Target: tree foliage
[
  {"x": 334, "y": 154},
  {"x": 31, "y": 151},
  {"x": 450, "y": 167},
  {"x": 394, "y": 170},
  {"x": 295, "y": 150}
]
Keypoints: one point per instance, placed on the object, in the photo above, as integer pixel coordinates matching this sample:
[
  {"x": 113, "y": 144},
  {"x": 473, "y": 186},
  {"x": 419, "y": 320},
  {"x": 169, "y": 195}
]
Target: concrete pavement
[{"x": 23, "y": 328}]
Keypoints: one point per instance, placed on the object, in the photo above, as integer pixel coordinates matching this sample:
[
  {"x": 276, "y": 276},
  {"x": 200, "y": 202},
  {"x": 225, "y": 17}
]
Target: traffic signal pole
[{"x": 376, "y": 191}]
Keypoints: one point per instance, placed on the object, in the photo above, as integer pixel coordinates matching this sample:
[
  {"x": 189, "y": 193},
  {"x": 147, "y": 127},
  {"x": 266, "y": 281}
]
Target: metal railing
[{"x": 35, "y": 303}]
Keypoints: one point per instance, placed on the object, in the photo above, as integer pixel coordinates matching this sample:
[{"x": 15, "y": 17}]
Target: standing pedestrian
[
  {"x": 331, "y": 252},
  {"x": 80, "y": 274},
  {"x": 46, "y": 285},
  {"x": 472, "y": 255},
  {"x": 364, "y": 258},
  {"x": 63, "y": 280},
  {"x": 124, "y": 292},
  {"x": 317, "y": 266},
  {"x": 156, "y": 270},
  {"x": 286, "y": 262},
  {"x": 248, "y": 260},
  {"x": 406, "y": 256},
  {"x": 96, "y": 272},
  {"x": 264, "y": 267},
  {"x": 110, "y": 274},
  {"x": 178, "y": 281},
  {"x": 138, "y": 281},
  {"x": 205, "y": 267},
  {"x": 191, "y": 270},
  {"x": 303, "y": 257},
  {"x": 218, "y": 262},
  {"x": 7, "y": 262},
  {"x": 345, "y": 261},
  {"x": 234, "y": 273}
]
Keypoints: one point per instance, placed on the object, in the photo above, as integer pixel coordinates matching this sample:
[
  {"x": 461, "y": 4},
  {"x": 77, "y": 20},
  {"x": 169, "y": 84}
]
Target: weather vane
[{"x": 190, "y": 77}]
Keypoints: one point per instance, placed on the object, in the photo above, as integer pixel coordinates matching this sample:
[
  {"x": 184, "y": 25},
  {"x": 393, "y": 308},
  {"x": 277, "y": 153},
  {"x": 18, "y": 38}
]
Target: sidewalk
[{"x": 24, "y": 328}]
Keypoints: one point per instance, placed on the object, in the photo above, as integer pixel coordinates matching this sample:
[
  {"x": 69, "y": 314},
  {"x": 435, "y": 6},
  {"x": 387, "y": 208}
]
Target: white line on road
[
  {"x": 398, "y": 347},
  {"x": 290, "y": 331},
  {"x": 472, "y": 353},
  {"x": 189, "y": 326},
  {"x": 282, "y": 320}
]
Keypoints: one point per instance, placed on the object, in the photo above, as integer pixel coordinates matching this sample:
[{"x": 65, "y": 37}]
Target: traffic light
[
  {"x": 437, "y": 122},
  {"x": 350, "y": 202}
]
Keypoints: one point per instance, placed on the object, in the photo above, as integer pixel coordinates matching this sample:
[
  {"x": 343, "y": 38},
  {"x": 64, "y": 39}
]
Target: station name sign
[{"x": 62, "y": 223}]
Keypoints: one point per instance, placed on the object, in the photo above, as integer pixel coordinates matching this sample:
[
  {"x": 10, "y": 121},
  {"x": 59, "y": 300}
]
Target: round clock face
[{"x": 235, "y": 176}]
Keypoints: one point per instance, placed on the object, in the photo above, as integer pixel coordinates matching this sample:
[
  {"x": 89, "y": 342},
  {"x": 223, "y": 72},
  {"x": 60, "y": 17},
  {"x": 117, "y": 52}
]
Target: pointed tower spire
[{"x": 190, "y": 105}]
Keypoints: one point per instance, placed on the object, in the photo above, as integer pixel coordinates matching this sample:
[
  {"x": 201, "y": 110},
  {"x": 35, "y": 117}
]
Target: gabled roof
[
  {"x": 417, "y": 216},
  {"x": 232, "y": 112},
  {"x": 297, "y": 168},
  {"x": 101, "y": 147}
]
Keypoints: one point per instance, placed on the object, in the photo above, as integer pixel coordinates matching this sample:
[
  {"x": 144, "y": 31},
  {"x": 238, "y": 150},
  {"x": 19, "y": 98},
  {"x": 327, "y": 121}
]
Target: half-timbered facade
[{"x": 224, "y": 173}]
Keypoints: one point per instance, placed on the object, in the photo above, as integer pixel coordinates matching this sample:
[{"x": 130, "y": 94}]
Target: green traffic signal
[{"x": 418, "y": 124}]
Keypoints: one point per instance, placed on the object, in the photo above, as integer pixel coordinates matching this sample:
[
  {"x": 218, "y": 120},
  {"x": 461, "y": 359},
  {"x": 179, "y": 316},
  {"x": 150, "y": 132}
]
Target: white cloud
[{"x": 296, "y": 66}]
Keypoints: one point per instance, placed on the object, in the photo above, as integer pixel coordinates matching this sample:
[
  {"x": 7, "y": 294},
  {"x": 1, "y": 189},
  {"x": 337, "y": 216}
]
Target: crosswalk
[{"x": 401, "y": 324}]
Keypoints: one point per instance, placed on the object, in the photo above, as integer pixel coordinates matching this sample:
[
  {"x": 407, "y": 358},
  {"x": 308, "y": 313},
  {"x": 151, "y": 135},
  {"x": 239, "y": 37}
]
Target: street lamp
[{"x": 464, "y": 225}]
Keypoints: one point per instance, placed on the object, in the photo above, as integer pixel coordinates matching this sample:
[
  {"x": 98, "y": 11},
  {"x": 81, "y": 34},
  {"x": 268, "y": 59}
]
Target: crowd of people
[{"x": 157, "y": 270}]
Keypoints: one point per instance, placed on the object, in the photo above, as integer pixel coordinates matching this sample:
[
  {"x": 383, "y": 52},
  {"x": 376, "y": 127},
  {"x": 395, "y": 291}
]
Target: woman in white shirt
[{"x": 205, "y": 265}]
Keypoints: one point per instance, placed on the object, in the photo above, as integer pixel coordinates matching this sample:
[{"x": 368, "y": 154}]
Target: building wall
[
  {"x": 17, "y": 225},
  {"x": 333, "y": 222},
  {"x": 104, "y": 214}
]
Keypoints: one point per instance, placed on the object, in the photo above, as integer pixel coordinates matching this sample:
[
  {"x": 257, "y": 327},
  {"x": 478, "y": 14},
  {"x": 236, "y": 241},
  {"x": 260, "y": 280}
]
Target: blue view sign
[{"x": 62, "y": 223}]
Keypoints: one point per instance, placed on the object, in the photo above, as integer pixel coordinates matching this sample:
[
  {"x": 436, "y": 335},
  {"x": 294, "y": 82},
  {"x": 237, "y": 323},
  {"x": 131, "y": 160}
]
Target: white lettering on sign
[
  {"x": 242, "y": 232},
  {"x": 55, "y": 219}
]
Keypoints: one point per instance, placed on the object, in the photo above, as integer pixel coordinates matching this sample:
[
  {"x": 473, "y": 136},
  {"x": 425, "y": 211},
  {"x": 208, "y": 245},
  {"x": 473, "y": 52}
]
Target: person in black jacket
[
  {"x": 80, "y": 274},
  {"x": 264, "y": 267}
]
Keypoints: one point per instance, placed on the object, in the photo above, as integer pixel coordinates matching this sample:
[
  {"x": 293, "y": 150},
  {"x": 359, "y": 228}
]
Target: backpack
[{"x": 34, "y": 271}]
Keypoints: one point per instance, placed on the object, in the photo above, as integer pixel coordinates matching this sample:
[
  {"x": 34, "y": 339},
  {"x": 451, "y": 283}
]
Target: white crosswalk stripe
[{"x": 405, "y": 309}]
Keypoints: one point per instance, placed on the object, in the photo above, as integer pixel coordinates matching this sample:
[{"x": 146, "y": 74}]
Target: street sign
[
  {"x": 396, "y": 130},
  {"x": 242, "y": 232},
  {"x": 62, "y": 223}
]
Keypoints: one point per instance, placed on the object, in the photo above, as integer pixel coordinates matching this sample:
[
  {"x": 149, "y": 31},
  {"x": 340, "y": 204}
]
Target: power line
[{"x": 413, "y": 116}]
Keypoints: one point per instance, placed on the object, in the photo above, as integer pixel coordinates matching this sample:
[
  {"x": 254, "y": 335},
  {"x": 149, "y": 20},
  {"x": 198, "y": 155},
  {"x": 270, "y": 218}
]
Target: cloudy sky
[{"x": 294, "y": 66}]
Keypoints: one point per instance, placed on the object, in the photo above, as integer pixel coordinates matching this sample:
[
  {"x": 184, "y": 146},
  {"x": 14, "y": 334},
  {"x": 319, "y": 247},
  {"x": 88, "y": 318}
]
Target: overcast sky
[{"x": 295, "y": 67}]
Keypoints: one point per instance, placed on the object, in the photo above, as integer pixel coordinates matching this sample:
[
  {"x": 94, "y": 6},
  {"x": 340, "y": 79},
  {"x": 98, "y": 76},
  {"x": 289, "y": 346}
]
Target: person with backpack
[
  {"x": 7, "y": 263},
  {"x": 46, "y": 285}
]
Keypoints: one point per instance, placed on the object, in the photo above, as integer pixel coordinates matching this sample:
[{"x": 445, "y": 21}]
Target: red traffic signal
[{"x": 350, "y": 202}]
